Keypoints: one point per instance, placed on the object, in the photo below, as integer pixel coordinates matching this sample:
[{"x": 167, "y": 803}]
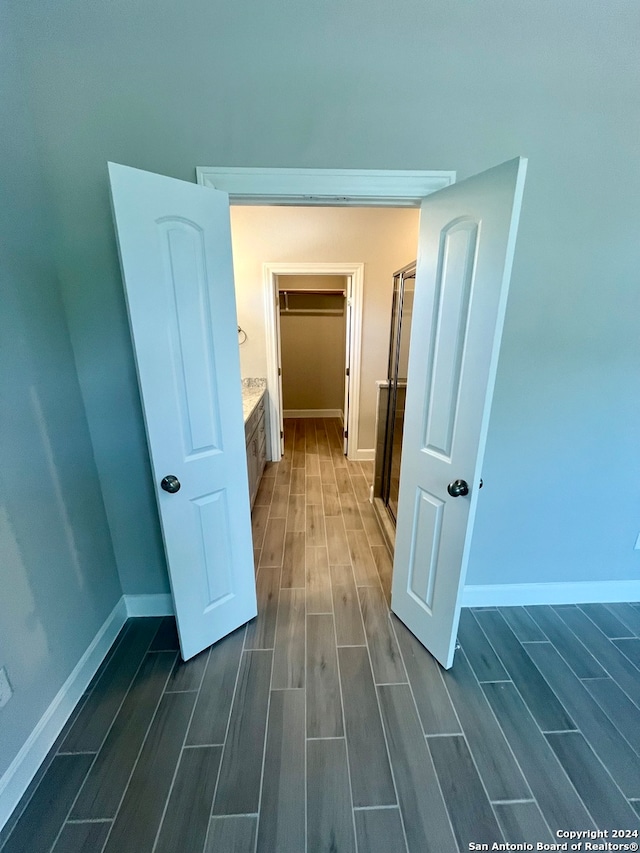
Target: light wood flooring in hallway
[{"x": 323, "y": 726}]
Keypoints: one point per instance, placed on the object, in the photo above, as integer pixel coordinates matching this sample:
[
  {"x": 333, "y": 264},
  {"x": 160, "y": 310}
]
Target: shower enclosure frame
[{"x": 400, "y": 277}]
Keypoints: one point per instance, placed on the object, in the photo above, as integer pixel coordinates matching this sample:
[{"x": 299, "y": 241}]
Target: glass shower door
[{"x": 401, "y": 313}]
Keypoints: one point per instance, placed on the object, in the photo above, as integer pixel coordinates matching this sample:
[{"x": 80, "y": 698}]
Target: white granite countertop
[{"x": 252, "y": 391}]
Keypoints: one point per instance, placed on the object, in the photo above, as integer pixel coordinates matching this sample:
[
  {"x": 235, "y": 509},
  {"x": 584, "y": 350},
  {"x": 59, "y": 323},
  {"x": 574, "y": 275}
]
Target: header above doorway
[{"x": 324, "y": 187}]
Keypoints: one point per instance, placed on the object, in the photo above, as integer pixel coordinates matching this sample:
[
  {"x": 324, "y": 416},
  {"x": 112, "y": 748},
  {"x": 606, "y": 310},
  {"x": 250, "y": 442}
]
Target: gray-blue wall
[
  {"x": 59, "y": 578},
  {"x": 434, "y": 84}
]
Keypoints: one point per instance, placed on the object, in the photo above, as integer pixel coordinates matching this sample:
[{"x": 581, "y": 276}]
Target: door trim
[
  {"x": 325, "y": 187},
  {"x": 271, "y": 271}
]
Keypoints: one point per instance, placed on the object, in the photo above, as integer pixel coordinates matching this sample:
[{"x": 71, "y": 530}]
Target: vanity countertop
[{"x": 252, "y": 391}]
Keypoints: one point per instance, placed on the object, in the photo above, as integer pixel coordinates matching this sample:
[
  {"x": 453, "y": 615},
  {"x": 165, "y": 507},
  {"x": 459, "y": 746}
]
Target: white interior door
[
  {"x": 466, "y": 245},
  {"x": 175, "y": 251}
]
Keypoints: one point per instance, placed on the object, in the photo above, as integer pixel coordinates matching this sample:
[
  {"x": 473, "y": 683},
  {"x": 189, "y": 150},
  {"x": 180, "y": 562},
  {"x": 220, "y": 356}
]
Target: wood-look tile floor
[{"x": 324, "y": 726}]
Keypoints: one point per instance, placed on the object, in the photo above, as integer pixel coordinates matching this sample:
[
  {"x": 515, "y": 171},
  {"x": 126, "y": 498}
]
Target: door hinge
[
  {"x": 346, "y": 433},
  {"x": 347, "y": 371},
  {"x": 281, "y": 434},
  {"x": 279, "y": 371}
]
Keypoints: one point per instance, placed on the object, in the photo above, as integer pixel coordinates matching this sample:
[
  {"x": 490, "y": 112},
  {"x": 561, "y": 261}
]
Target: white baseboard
[
  {"x": 312, "y": 413},
  {"x": 149, "y": 605},
  {"x": 24, "y": 766},
  {"x": 362, "y": 455},
  {"x": 583, "y": 592}
]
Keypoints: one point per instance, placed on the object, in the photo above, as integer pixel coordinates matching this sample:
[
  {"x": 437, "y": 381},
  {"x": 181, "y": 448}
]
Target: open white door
[
  {"x": 175, "y": 251},
  {"x": 467, "y": 240}
]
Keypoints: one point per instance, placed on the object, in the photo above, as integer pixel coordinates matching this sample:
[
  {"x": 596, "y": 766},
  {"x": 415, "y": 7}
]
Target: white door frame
[
  {"x": 271, "y": 271},
  {"x": 328, "y": 188}
]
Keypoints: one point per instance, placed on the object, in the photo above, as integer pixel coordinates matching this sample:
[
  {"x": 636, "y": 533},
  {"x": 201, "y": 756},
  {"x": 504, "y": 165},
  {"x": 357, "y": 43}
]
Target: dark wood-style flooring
[{"x": 323, "y": 725}]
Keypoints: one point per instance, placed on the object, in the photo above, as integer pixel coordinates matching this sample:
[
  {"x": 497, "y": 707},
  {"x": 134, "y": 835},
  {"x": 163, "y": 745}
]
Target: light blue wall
[
  {"x": 59, "y": 578},
  {"x": 435, "y": 84}
]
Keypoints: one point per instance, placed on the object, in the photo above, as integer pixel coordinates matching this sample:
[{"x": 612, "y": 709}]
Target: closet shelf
[{"x": 312, "y": 301}]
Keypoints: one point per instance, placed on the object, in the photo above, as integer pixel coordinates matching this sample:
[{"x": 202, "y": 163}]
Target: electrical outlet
[
  {"x": 636, "y": 547},
  {"x": 6, "y": 691}
]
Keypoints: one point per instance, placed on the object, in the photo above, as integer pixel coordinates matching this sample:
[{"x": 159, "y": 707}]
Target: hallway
[{"x": 323, "y": 725}]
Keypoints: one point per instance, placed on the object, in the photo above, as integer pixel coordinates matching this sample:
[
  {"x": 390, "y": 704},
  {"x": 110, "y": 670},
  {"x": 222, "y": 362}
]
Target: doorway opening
[
  {"x": 313, "y": 323},
  {"x": 279, "y": 189},
  {"x": 287, "y": 372}
]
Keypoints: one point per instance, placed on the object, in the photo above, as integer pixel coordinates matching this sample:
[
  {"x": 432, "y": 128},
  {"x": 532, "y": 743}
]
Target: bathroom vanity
[{"x": 253, "y": 404}]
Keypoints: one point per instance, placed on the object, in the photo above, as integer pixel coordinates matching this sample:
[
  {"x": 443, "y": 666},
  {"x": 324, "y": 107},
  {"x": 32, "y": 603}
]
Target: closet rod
[
  {"x": 321, "y": 291},
  {"x": 338, "y": 312}
]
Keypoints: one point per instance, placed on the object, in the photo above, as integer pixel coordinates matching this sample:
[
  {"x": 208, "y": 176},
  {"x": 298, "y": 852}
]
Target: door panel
[
  {"x": 212, "y": 518},
  {"x": 467, "y": 239},
  {"x": 175, "y": 253},
  {"x": 453, "y": 283},
  {"x": 183, "y": 255},
  {"x": 427, "y": 527}
]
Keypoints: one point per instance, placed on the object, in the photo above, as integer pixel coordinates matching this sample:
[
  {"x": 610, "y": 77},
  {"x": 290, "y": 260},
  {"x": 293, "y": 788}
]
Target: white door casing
[
  {"x": 280, "y": 395},
  {"x": 347, "y": 366},
  {"x": 465, "y": 254},
  {"x": 324, "y": 187},
  {"x": 175, "y": 252}
]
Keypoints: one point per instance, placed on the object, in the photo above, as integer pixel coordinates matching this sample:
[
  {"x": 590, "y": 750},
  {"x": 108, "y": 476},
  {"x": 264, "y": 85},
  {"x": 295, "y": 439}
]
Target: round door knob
[
  {"x": 458, "y": 488},
  {"x": 170, "y": 484}
]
